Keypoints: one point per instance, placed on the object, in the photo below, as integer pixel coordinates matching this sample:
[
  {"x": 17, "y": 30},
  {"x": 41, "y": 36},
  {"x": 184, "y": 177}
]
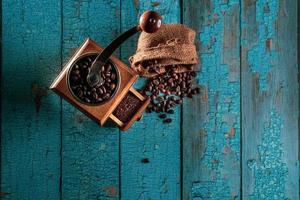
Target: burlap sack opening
[{"x": 172, "y": 46}]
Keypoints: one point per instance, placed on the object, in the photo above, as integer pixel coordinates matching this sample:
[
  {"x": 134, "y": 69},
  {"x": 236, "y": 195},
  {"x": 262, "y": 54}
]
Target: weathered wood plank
[
  {"x": 30, "y": 126},
  {"x": 90, "y": 153},
  {"x": 270, "y": 99},
  {"x": 150, "y": 150},
  {"x": 211, "y": 122}
]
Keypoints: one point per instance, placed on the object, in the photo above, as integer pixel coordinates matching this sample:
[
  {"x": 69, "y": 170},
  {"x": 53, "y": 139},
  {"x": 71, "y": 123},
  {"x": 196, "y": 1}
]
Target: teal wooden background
[{"x": 237, "y": 140}]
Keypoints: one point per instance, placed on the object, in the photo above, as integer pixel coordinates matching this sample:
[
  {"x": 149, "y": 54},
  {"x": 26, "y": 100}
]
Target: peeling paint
[
  {"x": 269, "y": 170},
  {"x": 164, "y": 186},
  {"x": 263, "y": 54},
  {"x": 155, "y": 4},
  {"x": 111, "y": 191},
  {"x": 102, "y": 147},
  {"x": 79, "y": 118},
  {"x": 210, "y": 190},
  {"x": 39, "y": 92},
  {"x": 222, "y": 124}
]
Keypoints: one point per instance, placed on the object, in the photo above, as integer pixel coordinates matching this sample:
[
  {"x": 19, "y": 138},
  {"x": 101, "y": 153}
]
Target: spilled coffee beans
[
  {"x": 168, "y": 90},
  {"x": 83, "y": 91}
]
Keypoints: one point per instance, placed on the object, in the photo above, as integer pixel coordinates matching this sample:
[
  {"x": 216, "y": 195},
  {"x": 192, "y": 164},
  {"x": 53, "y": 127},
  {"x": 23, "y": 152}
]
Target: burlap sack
[{"x": 172, "y": 46}]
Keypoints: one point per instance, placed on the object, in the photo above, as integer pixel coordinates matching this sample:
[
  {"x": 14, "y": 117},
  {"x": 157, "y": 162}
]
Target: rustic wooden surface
[
  {"x": 270, "y": 100},
  {"x": 237, "y": 140},
  {"x": 159, "y": 144},
  {"x": 211, "y": 122}
]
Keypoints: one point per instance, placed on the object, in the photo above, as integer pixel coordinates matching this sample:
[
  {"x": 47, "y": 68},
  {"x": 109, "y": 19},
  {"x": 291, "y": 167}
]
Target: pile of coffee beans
[
  {"x": 128, "y": 107},
  {"x": 168, "y": 90},
  {"x": 83, "y": 91}
]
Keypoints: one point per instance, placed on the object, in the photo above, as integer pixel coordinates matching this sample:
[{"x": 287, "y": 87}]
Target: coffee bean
[
  {"x": 109, "y": 67},
  {"x": 107, "y": 74},
  {"x": 106, "y": 96},
  {"x": 188, "y": 81},
  {"x": 183, "y": 95},
  {"x": 112, "y": 86},
  {"x": 150, "y": 88},
  {"x": 151, "y": 70},
  {"x": 79, "y": 92},
  {"x": 75, "y": 87},
  {"x": 160, "y": 98},
  {"x": 179, "y": 101},
  {"x": 95, "y": 95},
  {"x": 189, "y": 91},
  {"x": 103, "y": 89},
  {"x": 145, "y": 160},
  {"x": 162, "y": 116},
  {"x": 100, "y": 91},
  {"x": 172, "y": 98},
  {"x": 113, "y": 77},
  {"x": 76, "y": 72},
  {"x": 170, "y": 111},
  {"x": 194, "y": 91},
  {"x": 75, "y": 78},
  {"x": 159, "y": 105},
  {"x": 190, "y": 67},
  {"x": 155, "y": 82},
  {"x": 107, "y": 84},
  {"x": 167, "y": 121},
  {"x": 161, "y": 86},
  {"x": 182, "y": 85},
  {"x": 171, "y": 80},
  {"x": 84, "y": 67},
  {"x": 167, "y": 106}
]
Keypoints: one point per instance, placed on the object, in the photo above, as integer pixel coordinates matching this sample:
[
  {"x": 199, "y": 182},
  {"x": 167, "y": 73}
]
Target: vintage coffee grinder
[{"x": 101, "y": 85}]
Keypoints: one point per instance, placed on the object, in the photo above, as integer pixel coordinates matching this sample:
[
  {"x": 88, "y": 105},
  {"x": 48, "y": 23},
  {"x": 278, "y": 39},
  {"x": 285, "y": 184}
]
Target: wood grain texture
[
  {"x": 30, "y": 126},
  {"x": 270, "y": 100},
  {"x": 211, "y": 122},
  {"x": 150, "y": 150},
  {"x": 239, "y": 139},
  {"x": 90, "y": 164}
]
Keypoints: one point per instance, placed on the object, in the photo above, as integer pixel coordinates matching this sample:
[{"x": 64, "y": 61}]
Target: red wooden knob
[{"x": 150, "y": 21}]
